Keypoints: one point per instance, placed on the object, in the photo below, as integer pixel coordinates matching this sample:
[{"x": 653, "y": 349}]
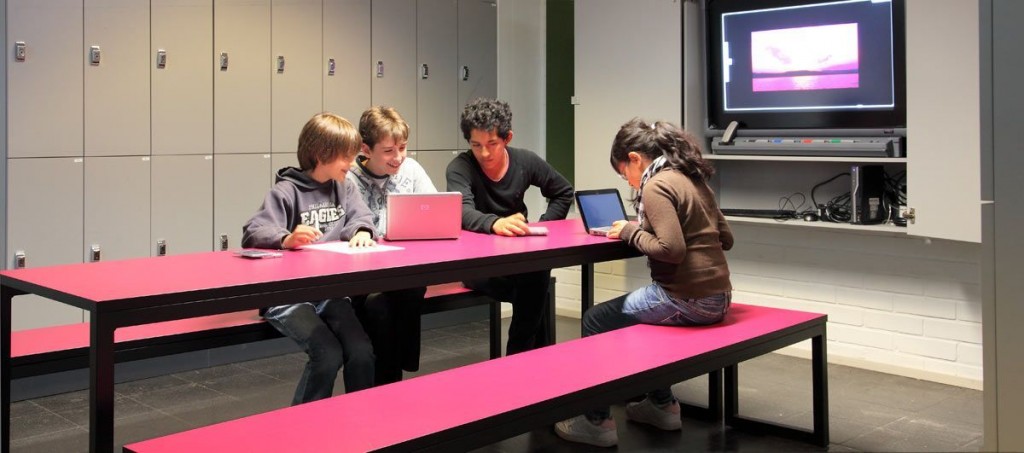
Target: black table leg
[
  {"x": 587, "y": 290},
  {"x": 6, "y": 295},
  {"x": 101, "y": 385}
]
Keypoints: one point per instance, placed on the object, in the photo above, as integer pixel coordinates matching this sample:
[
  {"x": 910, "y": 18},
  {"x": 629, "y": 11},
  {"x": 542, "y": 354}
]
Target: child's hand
[
  {"x": 302, "y": 235},
  {"x": 513, "y": 225},
  {"x": 613, "y": 232},
  {"x": 362, "y": 239}
]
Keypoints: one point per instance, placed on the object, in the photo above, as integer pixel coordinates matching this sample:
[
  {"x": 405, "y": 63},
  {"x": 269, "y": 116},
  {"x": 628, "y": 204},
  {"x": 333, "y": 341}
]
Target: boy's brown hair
[
  {"x": 380, "y": 122},
  {"x": 324, "y": 138}
]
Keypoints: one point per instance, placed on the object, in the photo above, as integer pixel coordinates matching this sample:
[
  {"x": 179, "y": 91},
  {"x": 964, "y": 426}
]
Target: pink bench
[
  {"x": 478, "y": 404},
  {"x": 60, "y": 348}
]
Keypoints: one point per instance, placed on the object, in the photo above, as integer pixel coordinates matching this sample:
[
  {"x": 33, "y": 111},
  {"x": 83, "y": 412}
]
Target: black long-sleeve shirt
[{"x": 485, "y": 201}]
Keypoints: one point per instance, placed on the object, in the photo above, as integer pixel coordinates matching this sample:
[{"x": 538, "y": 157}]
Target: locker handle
[
  {"x": 330, "y": 66},
  {"x": 380, "y": 69},
  {"x": 280, "y": 64},
  {"x": 19, "y": 259},
  {"x": 161, "y": 59},
  {"x": 95, "y": 252},
  {"x": 161, "y": 247},
  {"x": 424, "y": 71},
  {"x": 223, "y": 242},
  {"x": 223, "y": 61},
  {"x": 20, "y": 51},
  {"x": 465, "y": 73}
]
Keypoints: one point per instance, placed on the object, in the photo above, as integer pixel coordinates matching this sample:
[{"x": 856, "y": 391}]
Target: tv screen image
[{"x": 778, "y": 65}]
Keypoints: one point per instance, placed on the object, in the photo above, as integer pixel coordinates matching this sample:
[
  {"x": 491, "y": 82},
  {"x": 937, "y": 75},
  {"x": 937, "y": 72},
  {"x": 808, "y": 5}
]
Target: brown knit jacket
[{"x": 684, "y": 236}]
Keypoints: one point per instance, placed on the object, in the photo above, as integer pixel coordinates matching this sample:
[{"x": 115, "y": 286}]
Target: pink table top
[
  {"x": 121, "y": 280},
  {"x": 396, "y": 413}
]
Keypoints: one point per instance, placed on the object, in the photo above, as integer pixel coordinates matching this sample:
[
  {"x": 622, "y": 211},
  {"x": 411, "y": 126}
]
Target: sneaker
[
  {"x": 666, "y": 418},
  {"x": 579, "y": 429}
]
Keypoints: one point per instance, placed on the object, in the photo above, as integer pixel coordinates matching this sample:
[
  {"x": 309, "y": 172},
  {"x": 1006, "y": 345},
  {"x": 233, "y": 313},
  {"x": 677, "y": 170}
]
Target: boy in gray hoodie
[{"x": 310, "y": 204}]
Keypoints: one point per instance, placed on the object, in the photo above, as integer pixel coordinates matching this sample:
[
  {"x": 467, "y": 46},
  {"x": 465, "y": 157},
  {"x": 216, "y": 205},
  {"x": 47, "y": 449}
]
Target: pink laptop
[{"x": 418, "y": 216}]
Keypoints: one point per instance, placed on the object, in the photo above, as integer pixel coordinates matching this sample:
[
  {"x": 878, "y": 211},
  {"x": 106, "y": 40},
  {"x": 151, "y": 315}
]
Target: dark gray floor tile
[
  {"x": 171, "y": 397},
  {"x": 963, "y": 405},
  {"x": 912, "y": 434},
  {"x": 245, "y": 384},
  {"x": 216, "y": 373},
  {"x": 39, "y": 423},
  {"x": 124, "y": 407},
  {"x": 23, "y": 408},
  {"x": 146, "y": 426},
  {"x": 149, "y": 385},
  {"x": 75, "y": 440},
  {"x": 65, "y": 401}
]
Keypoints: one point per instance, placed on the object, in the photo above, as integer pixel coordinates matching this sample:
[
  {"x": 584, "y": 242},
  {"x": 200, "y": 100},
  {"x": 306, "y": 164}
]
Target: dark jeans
[
  {"x": 528, "y": 294},
  {"x": 392, "y": 320},
  {"x": 332, "y": 337},
  {"x": 651, "y": 305}
]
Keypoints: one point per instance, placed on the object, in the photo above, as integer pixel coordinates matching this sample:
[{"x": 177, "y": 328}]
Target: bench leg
[
  {"x": 713, "y": 411},
  {"x": 6, "y": 295},
  {"x": 819, "y": 381},
  {"x": 586, "y": 291},
  {"x": 495, "y": 326}
]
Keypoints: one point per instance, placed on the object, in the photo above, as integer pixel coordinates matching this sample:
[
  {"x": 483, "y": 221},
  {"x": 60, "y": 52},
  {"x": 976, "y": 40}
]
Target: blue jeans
[
  {"x": 331, "y": 335},
  {"x": 652, "y": 305}
]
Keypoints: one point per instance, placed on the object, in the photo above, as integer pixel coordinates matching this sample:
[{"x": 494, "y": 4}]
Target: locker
[
  {"x": 437, "y": 87},
  {"x": 241, "y": 81},
  {"x": 182, "y": 212},
  {"x": 45, "y": 90},
  {"x": 45, "y": 224},
  {"x": 346, "y": 25},
  {"x": 182, "y": 81},
  {"x": 117, "y": 207},
  {"x": 116, "y": 71},
  {"x": 478, "y": 52},
  {"x": 297, "y": 86},
  {"x": 435, "y": 163},
  {"x": 240, "y": 182},
  {"x": 393, "y": 47},
  {"x": 281, "y": 160}
]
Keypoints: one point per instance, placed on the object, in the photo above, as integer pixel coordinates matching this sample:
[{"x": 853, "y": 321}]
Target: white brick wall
[{"x": 895, "y": 304}]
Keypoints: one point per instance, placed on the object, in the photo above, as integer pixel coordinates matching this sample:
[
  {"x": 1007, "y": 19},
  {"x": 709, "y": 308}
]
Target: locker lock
[
  {"x": 465, "y": 73},
  {"x": 94, "y": 252},
  {"x": 20, "y": 51},
  {"x": 330, "y": 66},
  {"x": 161, "y": 247},
  {"x": 223, "y": 242},
  {"x": 380, "y": 69},
  {"x": 19, "y": 259},
  {"x": 161, "y": 59},
  {"x": 223, "y": 61},
  {"x": 280, "y": 64},
  {"x": 94, "y": 55},
  {"x": 424, "y": 71}
]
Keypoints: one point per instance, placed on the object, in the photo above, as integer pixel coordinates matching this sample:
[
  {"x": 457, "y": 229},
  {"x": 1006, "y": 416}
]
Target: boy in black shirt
[{"x": 493, "y": 179}]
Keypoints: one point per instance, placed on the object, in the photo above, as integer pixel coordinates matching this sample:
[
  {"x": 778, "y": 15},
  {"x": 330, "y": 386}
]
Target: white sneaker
[
  {"x": 666, "y": 418},
  {"x": 579, "y": 429}
]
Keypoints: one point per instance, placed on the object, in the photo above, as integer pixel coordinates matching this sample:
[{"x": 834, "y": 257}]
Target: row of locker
[
  {"x": 170, "y": 77},
  {"x": 72, "y": 210}
]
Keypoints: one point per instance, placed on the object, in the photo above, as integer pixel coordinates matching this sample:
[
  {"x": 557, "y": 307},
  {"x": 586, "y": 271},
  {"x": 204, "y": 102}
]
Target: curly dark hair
[
  {"x": 660, "y": 138},
  {"x": 487, "y": 115}
]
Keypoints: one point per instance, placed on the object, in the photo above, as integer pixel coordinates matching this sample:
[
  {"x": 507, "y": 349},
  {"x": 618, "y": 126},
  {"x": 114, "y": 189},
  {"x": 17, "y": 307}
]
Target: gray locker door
[
  {"x": 394, "y": 59},
  {"x": 347, "y": 42},
  {"x": 281, "y": 160},
  {"x": 117, "y": 86},
  {"x": 182, "y": 207},
  {"x": 478, "y": 52},
  {"x": 45, "y": 90},
  {"x": 44, "y": 212},
  {"x": 183, "y": 86},
  {"x": 437, "y": 91},
  {"x": 117, "y": 207},
  {"x": 297, "y": 86},
  {"x": 435, "y": 163},
  {"x": 241, "y": 91},
  {"x": 240, "y": 182}
]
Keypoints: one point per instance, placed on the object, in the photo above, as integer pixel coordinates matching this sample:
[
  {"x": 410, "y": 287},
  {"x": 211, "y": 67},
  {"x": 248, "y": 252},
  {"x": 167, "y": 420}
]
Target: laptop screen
[{"x": 599, "y": 208}]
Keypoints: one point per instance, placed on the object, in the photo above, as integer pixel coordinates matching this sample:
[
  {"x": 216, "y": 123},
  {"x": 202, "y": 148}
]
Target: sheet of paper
[{"x": 342, "y": 247}]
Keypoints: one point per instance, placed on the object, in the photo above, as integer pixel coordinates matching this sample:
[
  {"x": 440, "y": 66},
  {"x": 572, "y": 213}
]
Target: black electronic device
[
  {"x": 867, "y": 195},
  {"x": 829, "y": 73},
  {"x": 810, "y": 217}
]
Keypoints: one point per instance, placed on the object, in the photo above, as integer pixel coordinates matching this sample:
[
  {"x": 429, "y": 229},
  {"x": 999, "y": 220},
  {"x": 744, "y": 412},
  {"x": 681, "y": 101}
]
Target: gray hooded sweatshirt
[{"x": 335, "y": 208}]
